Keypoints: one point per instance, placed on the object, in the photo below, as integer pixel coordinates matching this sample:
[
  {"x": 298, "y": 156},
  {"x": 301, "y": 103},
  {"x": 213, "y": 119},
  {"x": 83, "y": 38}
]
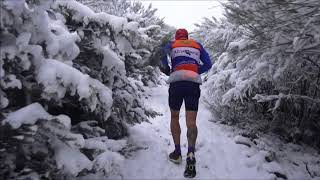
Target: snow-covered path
[{"x": 217, "y": 154}]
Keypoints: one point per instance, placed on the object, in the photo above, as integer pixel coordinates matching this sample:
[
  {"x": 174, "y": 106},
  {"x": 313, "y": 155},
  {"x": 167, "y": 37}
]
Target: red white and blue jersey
[{"x": 188, "y": 57}]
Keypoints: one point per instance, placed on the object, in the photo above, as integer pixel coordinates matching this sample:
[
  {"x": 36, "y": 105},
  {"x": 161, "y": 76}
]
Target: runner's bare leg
[
  {"x": 175, "y": 126},
  {"x": 192, "y": 131}
]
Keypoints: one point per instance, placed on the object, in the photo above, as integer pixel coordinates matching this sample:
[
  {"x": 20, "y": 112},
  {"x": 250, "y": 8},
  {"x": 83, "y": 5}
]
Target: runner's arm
[
  {"x": 205, "y": 58},
  {"x": 164, "y": 65}
]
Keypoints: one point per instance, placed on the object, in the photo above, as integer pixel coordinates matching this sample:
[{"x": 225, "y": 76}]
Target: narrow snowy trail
[{"x": 218, "y": 156}]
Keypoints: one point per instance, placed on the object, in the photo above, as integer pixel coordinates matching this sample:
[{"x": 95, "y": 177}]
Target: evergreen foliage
[
  {"x": 71, "y": 81},
  {"x": 266, "y": 73}
]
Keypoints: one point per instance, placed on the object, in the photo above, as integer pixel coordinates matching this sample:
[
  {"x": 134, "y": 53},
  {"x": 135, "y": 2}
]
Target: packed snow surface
[
  {"x": 217, "y": 155},
  {"x": 220, "y": 152}
]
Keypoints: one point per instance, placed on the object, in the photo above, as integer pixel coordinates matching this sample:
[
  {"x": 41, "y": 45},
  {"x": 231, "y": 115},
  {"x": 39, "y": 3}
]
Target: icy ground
[{"x": 217, "y": 153}]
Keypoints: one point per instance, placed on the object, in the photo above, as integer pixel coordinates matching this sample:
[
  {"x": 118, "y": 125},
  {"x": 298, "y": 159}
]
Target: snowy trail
[{"x": 218, "y": 156}]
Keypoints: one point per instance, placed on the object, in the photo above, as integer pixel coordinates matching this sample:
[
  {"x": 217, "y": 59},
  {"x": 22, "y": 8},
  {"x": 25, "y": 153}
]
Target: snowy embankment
[
  {"x": 220, "y": 152},
  {"x": 65, "y": 93}
]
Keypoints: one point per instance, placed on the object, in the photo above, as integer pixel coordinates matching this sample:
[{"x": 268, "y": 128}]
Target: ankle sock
[
  {"x": 190, "y": 149},
  {"x": 177, "y": 148}
]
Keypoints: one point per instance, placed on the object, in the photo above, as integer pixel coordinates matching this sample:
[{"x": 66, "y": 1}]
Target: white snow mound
[{"x": 27, "y": 115}]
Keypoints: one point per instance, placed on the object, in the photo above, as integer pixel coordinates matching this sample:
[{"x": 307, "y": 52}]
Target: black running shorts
[{"x": 186, "y": 91}]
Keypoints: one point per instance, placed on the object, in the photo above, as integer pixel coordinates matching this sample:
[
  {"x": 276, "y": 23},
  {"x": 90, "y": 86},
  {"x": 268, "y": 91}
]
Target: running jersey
[{"x": 188, "y": 60}]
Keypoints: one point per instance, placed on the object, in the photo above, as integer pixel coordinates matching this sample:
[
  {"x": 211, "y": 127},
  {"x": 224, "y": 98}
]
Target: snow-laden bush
[
  {"x": 111, "y": 49},
  {"x": 68, "y": 78},
  {"x": 39, "y": 51},
  {"x": 269, "y": 72},
  {"x": 216, "y": 35}
]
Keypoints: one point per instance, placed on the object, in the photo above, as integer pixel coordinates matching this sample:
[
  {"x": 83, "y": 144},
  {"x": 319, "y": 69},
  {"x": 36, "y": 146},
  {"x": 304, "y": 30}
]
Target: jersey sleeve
[
  {"x": 164, "y": 65},
  {"x": 205, "y": 58}
]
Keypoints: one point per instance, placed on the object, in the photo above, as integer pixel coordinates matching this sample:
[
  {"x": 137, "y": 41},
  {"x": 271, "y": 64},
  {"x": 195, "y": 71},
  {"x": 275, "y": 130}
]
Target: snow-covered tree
[
  {"x": 268, "y": 71},
  {"x": 68, "y": 86},
  {"x": 147, "y": 52}
]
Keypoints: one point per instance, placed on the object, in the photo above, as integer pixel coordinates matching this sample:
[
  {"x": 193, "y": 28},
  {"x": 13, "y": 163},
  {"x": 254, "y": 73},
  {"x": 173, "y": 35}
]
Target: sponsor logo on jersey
[{"x": 186, "y": 52}]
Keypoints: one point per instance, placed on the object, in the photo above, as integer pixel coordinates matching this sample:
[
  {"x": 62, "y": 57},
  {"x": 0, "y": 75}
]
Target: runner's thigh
[
  {"x": 191, "y": 96},
  {"x": 175, "y": 96}
]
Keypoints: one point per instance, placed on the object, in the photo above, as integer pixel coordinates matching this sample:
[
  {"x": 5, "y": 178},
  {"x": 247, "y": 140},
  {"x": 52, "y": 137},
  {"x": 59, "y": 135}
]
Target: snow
[
  {"x": 111, "y": 59},
  {"x": 17, "y": 5},
  {"x": 241, "y": 44},
  {"x": 105, "y": 144},
  {"x": 62, "y": 43},
  {"x": 65, "y": 120},
  {"x": 109, "y": 162},
  {"x": 123, "y": 45},
  {"x": 23, "y": 39},
  {"x": 117, "y": 23},
  {"x": 12, "y": 83},
  {"x": 218, "y": 156},
  {"x": 27, "y": 115},
  {"x": 79, "y": 10},
  {"x": 220, "y": 152},
  {"x": 84, "y": 13},
  {"x": 3, "y": 100},
  {"x": 149, "y": 28},
  {"x": 57, "y": 78},
  {"x": 51, "y": 70},
  {"x": 243, "y": 140},
  {"x": 70, "y": 160},
  {"x": 132, "y": 26}
]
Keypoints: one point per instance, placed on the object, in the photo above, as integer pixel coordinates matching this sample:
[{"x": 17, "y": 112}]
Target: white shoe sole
[{"x": 178, "y": 161}]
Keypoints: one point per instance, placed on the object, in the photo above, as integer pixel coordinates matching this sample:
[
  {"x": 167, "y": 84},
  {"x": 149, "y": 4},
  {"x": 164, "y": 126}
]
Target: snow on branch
[
  {"x": 27, "y": 115},
  {"x": 59, "y": 78},
  {"x": 267, "y": 98}
]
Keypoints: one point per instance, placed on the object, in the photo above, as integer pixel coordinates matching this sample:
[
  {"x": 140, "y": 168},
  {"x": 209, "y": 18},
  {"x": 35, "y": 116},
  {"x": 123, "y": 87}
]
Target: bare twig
[
  {"x": 314, "y": 63},
  {"x": 307, "y": 168}
]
